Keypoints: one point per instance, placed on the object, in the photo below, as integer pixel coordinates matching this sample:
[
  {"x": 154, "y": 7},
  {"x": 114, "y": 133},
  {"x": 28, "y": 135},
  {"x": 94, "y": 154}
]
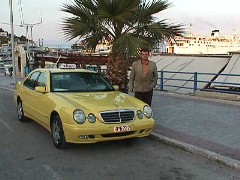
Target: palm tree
[{"x": 128, "y": 24}]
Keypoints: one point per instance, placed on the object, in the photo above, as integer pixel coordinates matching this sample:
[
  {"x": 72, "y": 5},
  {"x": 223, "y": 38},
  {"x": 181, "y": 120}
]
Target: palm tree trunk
[{"x": 117, "y": 73}]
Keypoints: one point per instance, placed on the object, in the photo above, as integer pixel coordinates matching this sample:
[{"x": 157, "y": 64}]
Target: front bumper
[{"x": 105, "y": 132}]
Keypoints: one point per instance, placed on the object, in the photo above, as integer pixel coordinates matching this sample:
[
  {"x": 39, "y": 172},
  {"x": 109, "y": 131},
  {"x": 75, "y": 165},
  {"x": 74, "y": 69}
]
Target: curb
[{"x": 212, "y": 156}]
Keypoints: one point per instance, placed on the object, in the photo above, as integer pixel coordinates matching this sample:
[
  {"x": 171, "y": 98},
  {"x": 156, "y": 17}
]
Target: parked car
[
  {"x": 80, "y": 106},
  {"x": 8, "y": 70}
]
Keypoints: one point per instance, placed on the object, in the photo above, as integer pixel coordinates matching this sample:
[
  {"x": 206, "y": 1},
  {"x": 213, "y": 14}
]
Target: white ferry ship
[{"x": 194, "y": 44}]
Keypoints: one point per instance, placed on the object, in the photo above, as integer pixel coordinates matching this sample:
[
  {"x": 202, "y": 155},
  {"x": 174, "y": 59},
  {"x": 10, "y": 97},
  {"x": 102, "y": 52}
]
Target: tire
[
  {"x": 58, "y": 133},
  {"x": 20, "y": 112}
]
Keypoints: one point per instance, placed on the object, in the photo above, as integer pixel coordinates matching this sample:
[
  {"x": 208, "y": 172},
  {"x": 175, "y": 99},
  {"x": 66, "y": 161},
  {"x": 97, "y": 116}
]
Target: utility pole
[
  {"x": 29, "y": 55},
  {"x": 12, "y": 42}
]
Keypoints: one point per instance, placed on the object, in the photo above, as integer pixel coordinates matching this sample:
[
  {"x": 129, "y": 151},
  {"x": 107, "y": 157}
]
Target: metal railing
[{"x": 194, "y": 81}]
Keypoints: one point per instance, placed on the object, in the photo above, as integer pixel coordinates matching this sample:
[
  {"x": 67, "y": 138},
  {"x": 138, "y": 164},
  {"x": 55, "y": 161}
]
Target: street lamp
[{"x": 12, "y": 42}]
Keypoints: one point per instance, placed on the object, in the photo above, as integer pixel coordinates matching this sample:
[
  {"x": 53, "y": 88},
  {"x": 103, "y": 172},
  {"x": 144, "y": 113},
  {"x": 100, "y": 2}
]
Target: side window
[
  {"x": 31, "y": 81},
  {"x": 42, "y": 80}
]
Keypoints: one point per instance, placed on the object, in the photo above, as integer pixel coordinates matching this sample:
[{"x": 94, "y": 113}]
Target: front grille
[{"x": 120, "y": 116}]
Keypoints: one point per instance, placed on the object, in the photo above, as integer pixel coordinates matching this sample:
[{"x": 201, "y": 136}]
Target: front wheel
[
  {"x": 58, "y": 133},
  {"x": 20, "y": 111}
]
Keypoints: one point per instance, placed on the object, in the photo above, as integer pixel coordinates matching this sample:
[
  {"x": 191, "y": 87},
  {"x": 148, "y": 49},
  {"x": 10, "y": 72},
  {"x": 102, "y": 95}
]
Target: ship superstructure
[{"x": 194, "y": 44}]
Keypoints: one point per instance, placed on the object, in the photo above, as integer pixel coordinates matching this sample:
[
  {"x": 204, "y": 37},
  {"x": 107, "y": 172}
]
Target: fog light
[
  {"x": 148, "y": 130},
  {"x": 84, "y": 137}
]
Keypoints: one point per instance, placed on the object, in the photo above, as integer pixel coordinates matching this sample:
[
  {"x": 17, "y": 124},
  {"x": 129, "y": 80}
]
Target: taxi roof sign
[{"x": 68, "y": 66}]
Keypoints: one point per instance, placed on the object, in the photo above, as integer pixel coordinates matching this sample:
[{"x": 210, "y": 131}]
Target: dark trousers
[{"x": 145, "y": 96}]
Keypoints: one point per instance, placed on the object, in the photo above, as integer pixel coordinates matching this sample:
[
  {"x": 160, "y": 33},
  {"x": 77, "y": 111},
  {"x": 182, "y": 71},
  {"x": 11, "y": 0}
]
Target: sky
[{"x": 203, "y": 15}]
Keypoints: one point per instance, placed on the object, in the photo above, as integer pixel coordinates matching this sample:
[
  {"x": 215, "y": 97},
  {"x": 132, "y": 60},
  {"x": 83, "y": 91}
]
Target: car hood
[{"x": 100, "y": 101}]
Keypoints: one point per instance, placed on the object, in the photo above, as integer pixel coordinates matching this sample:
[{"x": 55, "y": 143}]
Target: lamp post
[{"x": 12, "y": 42}]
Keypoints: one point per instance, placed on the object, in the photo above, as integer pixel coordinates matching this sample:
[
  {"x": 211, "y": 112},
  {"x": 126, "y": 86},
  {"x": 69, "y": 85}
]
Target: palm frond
[
  {"x": 128, "y": 44},
  {"x": 129, "y": 24}
]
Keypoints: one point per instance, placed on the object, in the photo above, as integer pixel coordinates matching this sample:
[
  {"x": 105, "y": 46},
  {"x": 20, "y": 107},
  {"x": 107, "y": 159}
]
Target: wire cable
[{"x": 10, "y": 24}]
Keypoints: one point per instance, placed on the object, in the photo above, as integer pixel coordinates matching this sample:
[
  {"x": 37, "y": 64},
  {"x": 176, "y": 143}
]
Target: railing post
[
  {"x": 161, "y": 81},
  {"x": 195, "y": 83}
]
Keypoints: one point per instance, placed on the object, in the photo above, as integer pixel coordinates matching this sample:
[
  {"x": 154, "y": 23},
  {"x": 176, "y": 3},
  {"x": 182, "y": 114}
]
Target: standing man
[{"x": 143, "y": 77}]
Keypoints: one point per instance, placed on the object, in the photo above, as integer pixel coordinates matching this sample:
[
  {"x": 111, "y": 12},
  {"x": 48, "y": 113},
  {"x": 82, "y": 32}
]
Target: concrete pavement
[{"x": 203, "y": 126}]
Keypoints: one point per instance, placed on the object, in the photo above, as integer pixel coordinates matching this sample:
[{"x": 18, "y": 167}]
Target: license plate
[{"x": 124, "y": 128}]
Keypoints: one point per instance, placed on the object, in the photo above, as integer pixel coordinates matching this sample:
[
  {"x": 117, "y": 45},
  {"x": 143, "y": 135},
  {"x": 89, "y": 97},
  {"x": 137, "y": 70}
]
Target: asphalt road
[{"x": 27, "y": 152}]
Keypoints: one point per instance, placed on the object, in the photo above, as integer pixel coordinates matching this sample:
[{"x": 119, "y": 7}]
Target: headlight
[
  {"x": 147, "y": 111},
  {"x": 91, "y": 118},
  {"x": 139, "y": 114},
  {"x": 79, "y": 116}
]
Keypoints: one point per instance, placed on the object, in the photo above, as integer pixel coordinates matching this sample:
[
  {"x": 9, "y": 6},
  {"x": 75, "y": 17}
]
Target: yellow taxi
[{"x": 80, "y": 106}]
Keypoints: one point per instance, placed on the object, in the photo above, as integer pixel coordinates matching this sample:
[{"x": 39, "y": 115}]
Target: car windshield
[{"x": 79, "y": 82}]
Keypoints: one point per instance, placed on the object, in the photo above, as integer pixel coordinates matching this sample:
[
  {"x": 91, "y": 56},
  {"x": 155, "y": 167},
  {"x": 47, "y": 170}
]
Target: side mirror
[
  {"x": 116, "y": 87},
  {"x": 40, "y": 89}
]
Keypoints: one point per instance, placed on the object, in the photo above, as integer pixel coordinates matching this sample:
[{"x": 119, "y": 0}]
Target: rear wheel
[
  {"x": 58, "y": 133},
  {"x": 20, "y": 111}
]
